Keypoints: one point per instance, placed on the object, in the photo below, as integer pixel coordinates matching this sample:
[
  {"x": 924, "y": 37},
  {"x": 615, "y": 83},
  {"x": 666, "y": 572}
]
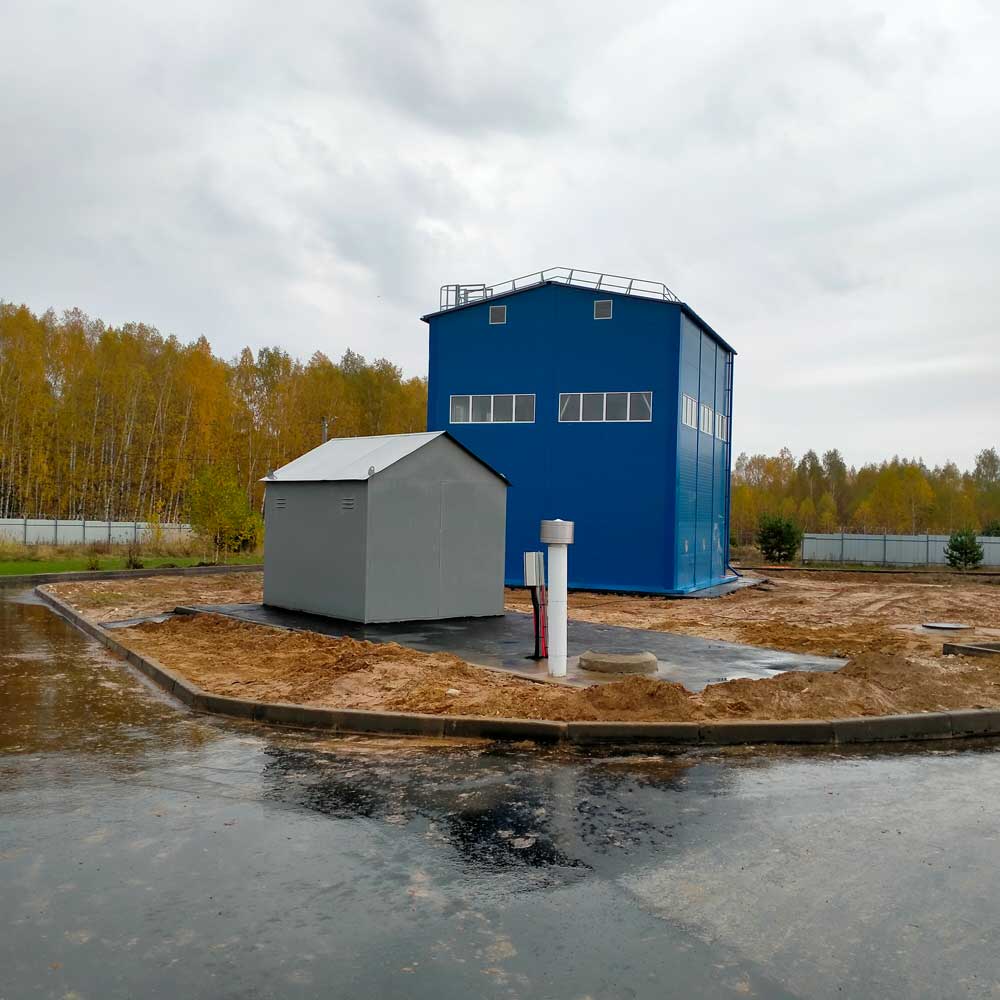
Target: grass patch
[{"x": 85, "y": 563}]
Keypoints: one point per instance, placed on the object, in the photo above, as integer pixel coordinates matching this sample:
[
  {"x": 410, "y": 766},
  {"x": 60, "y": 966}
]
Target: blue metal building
[{"x": 604, "y": 400}]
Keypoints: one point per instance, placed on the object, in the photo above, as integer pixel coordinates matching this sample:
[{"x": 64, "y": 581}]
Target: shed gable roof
[{"x": 354, "y": 459}]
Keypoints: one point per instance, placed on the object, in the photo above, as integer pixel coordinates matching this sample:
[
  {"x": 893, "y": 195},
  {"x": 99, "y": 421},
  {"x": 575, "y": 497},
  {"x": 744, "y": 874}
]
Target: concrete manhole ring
[{"x": 618, "y": 663}]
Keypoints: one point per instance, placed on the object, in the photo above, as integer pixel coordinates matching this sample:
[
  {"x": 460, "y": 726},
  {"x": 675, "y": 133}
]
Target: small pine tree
[
  {"x": 778, "y": 538},
  {"x": 963, "y": 550}
]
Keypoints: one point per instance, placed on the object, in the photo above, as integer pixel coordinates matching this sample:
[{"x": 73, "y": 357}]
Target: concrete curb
[
  {"x": 38, "y": 579},
  {"x": 956, "y": 724},
  {"x": 971, "y": 649}
]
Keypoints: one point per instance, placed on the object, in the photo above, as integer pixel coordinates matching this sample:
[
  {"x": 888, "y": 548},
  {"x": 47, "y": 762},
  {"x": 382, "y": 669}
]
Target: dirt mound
[{"x": 239, "y": 659}]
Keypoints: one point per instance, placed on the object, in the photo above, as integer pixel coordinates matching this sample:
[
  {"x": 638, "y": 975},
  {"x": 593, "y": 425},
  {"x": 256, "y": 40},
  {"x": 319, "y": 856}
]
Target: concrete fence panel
[
  {"x": 888, "y": 550},
  {"x": 37, "y": 531}
]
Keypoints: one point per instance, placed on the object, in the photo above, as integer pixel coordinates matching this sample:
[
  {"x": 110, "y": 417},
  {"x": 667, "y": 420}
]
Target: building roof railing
[{"x": 455, "y": 296}]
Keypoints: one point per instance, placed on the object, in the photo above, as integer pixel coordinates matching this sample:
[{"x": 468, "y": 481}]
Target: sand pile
[{"x": 239, "y": 659}]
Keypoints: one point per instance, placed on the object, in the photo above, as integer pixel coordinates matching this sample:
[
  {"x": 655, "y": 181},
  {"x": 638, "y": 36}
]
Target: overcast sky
[{"x": 818, "y": 181}]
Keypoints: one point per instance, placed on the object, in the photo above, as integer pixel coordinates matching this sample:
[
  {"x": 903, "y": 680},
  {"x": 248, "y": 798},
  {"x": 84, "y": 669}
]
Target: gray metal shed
[{"x": 400, "y": 527}]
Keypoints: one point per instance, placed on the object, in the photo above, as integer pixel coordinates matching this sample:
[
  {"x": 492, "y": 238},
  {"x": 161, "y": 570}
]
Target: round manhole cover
[{"x": 946, "y": 626}]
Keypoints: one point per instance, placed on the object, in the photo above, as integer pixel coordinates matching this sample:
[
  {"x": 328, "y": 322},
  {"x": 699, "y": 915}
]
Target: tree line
[
  {"x": 898, "y": 497},
  {"x": 117, "y": 422},
  {"x": 123, "y": 423}
]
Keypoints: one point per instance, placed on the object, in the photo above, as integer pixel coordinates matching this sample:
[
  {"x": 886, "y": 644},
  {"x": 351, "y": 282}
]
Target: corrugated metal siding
[
  {"x": 687, "y": 459},
  {"x": 615, "y": 480},
  {"x": 720, "y": 526},
  {"x": 703, "y": 465}
]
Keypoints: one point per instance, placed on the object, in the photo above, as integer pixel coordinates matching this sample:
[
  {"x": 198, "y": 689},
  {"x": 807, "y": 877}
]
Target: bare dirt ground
[
  {"x": 243, "y": 660},
  {"x": 868, "y": 618},
  {"x": 116, "y": 600}
]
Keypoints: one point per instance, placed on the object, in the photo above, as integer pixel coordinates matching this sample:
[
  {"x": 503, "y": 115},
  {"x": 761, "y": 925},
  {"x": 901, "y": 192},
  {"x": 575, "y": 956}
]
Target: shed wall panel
[
  {"x": 314, "y": 548},
  {"x": 435, "y": 537}
]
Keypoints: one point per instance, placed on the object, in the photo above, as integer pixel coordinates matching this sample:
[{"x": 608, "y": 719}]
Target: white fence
[
  {"x": 888, "y": 550},
  {"x": 33, "y": 531}
]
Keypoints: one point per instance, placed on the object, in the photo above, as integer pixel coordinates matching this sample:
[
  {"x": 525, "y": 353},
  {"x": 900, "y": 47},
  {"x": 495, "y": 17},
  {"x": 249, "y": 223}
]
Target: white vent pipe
[{"x": 558, "y": 535}]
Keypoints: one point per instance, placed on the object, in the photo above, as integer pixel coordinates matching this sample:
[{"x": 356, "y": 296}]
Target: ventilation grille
[
  {"x": 280, "y": 503},
  {"x": 347, "y": 503}
]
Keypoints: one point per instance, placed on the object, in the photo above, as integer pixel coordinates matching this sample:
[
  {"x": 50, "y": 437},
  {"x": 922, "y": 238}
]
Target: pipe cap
[{"x": 557, "y": 532}]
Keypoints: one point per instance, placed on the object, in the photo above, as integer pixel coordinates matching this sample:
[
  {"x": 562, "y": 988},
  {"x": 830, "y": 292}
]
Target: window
[
  {"x": 689, "y": 411},
  {"x": 498, "y": 315},
  {"x": 524, "y": 408},
  {"x": 460, "y": 410},
  {"x": 569, "y": 406},
  {"x": 616, "y": 406},
  {"x": 605, "y": 407},
  {"x": 503, "y": 408},
  {"x": 707, "y": 419},
  {"x": 722, "y": 427},
  {"x": 482, "y": 409},
  {"x": 593, "y": 406},
  {"x": 602, "y": 308},
  {"x": 640, "y": 406}
]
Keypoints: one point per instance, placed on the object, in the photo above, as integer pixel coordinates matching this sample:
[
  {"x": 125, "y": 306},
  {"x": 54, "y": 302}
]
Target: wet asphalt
[{"x": 149, "y": 852}]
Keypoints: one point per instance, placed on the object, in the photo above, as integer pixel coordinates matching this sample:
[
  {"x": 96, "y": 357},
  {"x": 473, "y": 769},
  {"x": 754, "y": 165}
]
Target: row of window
[
  {"x": 584, "y": 407},
  {"x": 505, "y": 408},
  {"x": 519, "y": 408},
  {"x": 602, "y": 310},
  {"x": 635, "y": 407},
  {"x": 704, "y": 418}
]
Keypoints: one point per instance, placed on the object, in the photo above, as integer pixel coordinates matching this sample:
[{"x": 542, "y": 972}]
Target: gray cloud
[{"x": 818, "y": 183}]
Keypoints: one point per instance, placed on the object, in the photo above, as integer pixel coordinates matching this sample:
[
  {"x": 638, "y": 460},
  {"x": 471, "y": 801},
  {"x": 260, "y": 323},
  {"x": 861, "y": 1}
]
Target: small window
[
  {"x": 602, "y": 308},
  {"x": 503, "y": 409},
  {"x": 569, "y": 406},
  {"x": 498, "y": 315},
  {"x": 482, "y": 409},
  {"x": 593, "y": 406},
  {"x": 689, "y": 411},
  {"x": 461, "y": 409},
  {"x": 640, "y": 406},
  {"x": 524, "y": 408},
  {"x": 707, "y": 419},
  {"x": 616, "y": 406},
  {"x": 721, "y": 427}
]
